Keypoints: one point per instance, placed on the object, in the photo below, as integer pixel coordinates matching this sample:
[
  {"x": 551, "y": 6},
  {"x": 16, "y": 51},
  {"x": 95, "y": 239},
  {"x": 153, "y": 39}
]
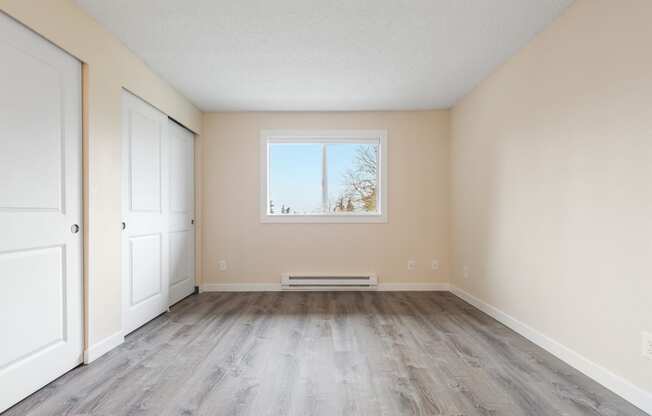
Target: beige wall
[
  {"x": 551, "y": 172},
  {"x": 552, "y": 185},
  {"x": 110, "y": 66},
  {"x": 258, "y": 253}
]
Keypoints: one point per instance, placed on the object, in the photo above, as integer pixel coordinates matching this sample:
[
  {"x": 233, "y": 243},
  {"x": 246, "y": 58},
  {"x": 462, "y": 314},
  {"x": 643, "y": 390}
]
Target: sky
[{"x": 295, "y": 174}]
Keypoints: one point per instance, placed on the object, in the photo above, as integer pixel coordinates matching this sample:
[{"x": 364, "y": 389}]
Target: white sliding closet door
[
  {"x": 158, "y": 240},
  {"x": 181, "y": 212},
  {"x": 40, "y": 212},
  {"x": 145, "y": 185}
]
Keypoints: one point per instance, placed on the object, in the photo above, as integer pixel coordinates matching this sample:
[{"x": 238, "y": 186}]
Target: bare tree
[{"x": 361, "y": 182}]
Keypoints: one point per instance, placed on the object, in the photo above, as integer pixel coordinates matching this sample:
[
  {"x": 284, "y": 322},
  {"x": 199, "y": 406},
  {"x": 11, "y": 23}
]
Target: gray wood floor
[{"x": 342, "y": 353}]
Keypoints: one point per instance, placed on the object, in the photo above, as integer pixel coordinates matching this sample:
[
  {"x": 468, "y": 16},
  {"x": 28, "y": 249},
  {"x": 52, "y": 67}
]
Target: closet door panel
[
  {"x": 40, "y": 212},
  {"x": 182, "y": 208},
  {"x": 145, "y": 245}
]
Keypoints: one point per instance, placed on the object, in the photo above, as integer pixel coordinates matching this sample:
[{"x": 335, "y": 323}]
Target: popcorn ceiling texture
[{"x": 324, "y": 55}]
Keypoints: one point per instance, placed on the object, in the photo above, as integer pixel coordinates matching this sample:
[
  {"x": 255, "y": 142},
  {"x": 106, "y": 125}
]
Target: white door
[
  {"x": 181, "y": 212},
  {"x": 40, "y": 212},
  {"x": 145, "y": 276}
]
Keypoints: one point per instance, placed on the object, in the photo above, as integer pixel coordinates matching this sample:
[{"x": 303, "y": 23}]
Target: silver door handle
[
  {"x": 74, "y": 228},
  {"x": 124, "y": 225}
]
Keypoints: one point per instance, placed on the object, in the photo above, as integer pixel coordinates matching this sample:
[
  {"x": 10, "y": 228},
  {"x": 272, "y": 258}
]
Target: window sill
[{"x": 324, "y": 219}]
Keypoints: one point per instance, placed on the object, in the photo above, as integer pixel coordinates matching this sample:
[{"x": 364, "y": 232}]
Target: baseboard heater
[{"x": 328, "y": 281}]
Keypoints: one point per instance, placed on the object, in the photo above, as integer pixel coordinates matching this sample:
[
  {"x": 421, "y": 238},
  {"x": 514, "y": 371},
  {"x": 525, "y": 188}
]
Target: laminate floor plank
[{"x": 325, "y": 354}]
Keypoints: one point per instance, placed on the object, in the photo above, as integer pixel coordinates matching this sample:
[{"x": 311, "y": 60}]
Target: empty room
[{"x": 326, "y": 207}]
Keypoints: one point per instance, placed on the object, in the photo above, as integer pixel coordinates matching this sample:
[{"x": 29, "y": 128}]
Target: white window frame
[{"x": 378, "y": 137}]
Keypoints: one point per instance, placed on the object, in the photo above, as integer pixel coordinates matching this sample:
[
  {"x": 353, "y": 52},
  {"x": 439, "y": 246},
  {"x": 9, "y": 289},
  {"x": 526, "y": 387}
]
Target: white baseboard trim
[
  {"x": 100, "y": 348},
  {"x": 240, "y": 287},
  {"x": 634, "y": 394},
  {"x": 276, "y": 287},
  {"x": 415, "y": 287}
]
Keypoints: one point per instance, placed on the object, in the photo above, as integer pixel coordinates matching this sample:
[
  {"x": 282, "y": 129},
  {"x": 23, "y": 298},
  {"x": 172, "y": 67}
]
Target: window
[{"x": 323, "y": 176}]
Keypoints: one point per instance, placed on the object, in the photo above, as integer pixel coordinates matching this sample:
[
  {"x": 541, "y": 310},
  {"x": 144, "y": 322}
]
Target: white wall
[{"x": 552, "y": 185}]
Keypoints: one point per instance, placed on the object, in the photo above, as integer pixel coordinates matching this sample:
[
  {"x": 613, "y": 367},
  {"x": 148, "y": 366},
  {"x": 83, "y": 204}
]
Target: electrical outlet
[
  {"x": 646, "y": 347},
  {"x": 222, "y": 265},
  {"x": 435, "y": 265},
  {"x": 412, "y": 264},
  {"x": 466, "y": 272}
]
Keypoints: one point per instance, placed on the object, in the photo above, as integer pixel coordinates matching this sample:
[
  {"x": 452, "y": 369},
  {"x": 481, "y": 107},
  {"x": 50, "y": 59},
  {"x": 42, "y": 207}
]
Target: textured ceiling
[{"x": 324, "y": 54}]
